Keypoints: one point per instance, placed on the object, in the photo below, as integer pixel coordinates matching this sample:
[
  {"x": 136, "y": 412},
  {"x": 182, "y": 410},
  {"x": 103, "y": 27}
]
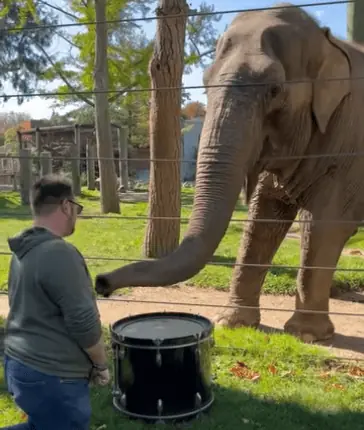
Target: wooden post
[
  {"x": 25, "y": 175},
  {"x": 90, "y": 151},
  {"x": 14, "y": 175},
  {"x": 76, "y": 175},
  {"x": 15, "y": 184},
  {"x": 38, "y": 145},
  {"x": 123, "y": 157},
  {"x": 355, "y": 19},
  {"x": 45, "y": 163},
  {"x": 166, "y": 70},
  {"x": 20, "y": 141},
  {"x": 109, "y": 198}
]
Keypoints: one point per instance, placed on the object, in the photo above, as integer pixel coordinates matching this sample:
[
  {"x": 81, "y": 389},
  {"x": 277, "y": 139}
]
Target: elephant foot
[
  {"x": 310, "y": 328},
  {"x": 236, "y": 317}
]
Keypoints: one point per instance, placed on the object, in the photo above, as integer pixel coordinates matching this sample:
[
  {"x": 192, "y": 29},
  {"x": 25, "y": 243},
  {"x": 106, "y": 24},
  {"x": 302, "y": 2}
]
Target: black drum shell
[{"x": 163, "y": 381}]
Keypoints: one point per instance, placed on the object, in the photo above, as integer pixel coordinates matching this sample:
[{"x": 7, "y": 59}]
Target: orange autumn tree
[{"x": 194, "y": 110}]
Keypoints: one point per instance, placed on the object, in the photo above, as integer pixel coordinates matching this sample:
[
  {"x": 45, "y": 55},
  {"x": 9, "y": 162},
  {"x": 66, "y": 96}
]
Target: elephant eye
[{"x": 275, "y": 90}]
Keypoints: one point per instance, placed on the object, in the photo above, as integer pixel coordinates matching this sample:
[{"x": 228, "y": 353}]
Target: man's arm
[
  {"x": 97, "y": 353},
  {"x": 63, "y": 276}
]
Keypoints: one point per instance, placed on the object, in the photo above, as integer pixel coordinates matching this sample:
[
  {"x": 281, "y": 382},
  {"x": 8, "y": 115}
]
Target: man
[{"x": 53, "y": 338}]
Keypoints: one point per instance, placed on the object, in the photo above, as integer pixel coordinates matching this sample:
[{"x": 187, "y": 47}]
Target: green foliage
[
  {"x": 129, "y": 53},
  {"x": 22, "y": 53},
  {"x": 201, "y": 37},
  {"x": 10, "y": 140}
]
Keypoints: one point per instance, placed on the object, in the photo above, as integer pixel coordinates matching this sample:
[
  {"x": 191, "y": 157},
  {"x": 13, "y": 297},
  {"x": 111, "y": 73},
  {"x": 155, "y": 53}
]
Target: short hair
[{"x": 48, "y": 193}]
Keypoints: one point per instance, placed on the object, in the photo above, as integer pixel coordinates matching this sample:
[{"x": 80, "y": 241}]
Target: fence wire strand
[
  {"x": 188, "y": 87},
  {"x": 213, "y": 263},
  {"x": 188, "y": 15},
  {"x": 180, "y": 160},
  {"x": 215, "y": 305},
  {"x": 5, "y": 214}
]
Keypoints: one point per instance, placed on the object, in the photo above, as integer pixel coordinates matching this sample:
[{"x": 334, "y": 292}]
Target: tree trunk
[
  {"x": 355, "y": 29},
  {"x": 108, "y": 184},
  {"x": 166, "y": 70}
]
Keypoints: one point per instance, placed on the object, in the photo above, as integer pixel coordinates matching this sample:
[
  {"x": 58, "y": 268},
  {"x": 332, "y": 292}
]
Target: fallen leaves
[
  {"x": 334, "y": 387},
  {"x": 242, "y": 371},
  {"x": 272, "y": 369},
  {"x": 356, "y": 371},
  {"x": 353, "y": 371}
]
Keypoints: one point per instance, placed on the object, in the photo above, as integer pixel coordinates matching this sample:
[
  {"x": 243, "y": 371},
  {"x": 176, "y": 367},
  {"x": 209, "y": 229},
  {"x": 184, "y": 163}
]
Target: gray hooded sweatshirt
[{"x": 53, "y": 313}]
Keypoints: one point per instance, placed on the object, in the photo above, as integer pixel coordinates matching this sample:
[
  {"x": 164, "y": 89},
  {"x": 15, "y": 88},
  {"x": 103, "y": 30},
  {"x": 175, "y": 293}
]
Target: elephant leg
[
  {"x": 321, "y": 246},
  {"x": 259, "y": 244}
]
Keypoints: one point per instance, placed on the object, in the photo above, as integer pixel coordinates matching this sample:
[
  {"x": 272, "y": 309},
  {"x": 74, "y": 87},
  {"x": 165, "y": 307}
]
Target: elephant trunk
[{"x": 223, "y": 160}]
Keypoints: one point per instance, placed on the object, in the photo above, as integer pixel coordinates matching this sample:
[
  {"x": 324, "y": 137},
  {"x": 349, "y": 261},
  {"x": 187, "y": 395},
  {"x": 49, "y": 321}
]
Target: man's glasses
[{"x": 79, "y": 207}]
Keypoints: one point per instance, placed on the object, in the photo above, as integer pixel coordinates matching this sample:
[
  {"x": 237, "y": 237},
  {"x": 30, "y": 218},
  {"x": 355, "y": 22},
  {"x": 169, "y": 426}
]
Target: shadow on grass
[
  {"x": 90, "y": 197},
  {"x": 12, "y": 210},
  {"x": 339, "y": 341},
  {"x": 343, "y": 291},
  {"x": 233, "y": 410}
]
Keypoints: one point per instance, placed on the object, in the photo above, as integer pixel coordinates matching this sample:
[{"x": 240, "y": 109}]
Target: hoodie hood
[{"x": 29, "y": 239}]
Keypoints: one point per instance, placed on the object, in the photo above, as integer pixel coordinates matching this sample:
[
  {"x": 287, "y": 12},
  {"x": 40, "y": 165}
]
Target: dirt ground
[{"x": 347, "y": 343}]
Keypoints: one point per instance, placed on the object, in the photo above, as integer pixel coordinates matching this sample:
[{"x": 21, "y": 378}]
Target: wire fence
[
  {"x": 181, "y": 15},
  {"x": 8, "y": 214}
]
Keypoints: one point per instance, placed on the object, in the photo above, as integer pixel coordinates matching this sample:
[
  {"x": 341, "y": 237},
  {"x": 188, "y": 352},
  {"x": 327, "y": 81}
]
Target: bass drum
[{"x": 162, "y": 366}]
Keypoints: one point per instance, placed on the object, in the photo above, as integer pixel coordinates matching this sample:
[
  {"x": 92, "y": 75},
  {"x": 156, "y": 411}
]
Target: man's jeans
[{"x": 51, "y": 403}]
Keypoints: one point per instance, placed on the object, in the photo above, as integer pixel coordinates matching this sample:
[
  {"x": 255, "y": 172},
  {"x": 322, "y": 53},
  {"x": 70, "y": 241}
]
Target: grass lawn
[
  {"x": 297, "y": 387},
  {"x": 118, "y": 238}
]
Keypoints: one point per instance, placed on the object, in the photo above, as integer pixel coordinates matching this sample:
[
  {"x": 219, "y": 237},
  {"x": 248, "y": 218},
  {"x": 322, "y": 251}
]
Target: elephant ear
[{"x": 329, "y": 92}]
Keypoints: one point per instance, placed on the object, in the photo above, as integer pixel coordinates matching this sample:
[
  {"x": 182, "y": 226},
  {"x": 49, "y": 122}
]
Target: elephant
[{"x": 284, "y": 113}]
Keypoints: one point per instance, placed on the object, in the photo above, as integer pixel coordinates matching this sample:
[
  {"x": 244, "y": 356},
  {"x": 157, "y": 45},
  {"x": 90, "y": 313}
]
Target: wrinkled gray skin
[{"x": 244, "y": 126}]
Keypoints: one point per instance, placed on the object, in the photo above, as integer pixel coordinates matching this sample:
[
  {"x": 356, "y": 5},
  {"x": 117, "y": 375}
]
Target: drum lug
[
  {"x": 198, "y": 401},
  {"x": 116, "y": 393},
  {"x": 123, "y": 401},
  {"x": 159, "y": 359},
  {"x": 197, "y": 353},
  {"x": 160, "y": 407},
  {"x": 158, "y": 342},
  {"x": 212, "y": 342},
  {"x": 122, "y": 352}
]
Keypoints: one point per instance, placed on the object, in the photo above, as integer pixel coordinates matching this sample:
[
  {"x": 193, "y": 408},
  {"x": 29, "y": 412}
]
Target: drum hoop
[
  {"x": 164, "y": 347},
  {"x": 187, "y": 340},
  {"x": 165, "y": 417}
]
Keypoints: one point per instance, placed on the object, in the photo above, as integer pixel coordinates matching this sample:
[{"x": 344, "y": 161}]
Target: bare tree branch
[
  {"x": 190, "y": 38},
  {"x": 64, "y": 78},
  {"x": 69, "y": 14},
  {"x": 62, "y": 36},
  {"x": 122, "y": 92},
  {"x": 115, "y": 97},
  {"x": 211, "y": 51}
]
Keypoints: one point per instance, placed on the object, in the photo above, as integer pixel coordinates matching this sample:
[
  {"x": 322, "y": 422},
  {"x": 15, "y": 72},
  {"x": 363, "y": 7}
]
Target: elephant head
[{"x": 252, "y": 113}]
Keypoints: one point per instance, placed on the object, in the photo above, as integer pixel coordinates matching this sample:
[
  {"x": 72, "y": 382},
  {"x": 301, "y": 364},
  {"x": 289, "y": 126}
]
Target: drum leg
[
  {"x": 159, "y": 358},
  {"x": 160, "y": 411},
  {"x": 123, "y": 401},
  {"x": 116, "y": 391}
]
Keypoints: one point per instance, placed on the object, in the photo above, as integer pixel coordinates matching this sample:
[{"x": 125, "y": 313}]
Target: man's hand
[{"x": 100, "y": 377}]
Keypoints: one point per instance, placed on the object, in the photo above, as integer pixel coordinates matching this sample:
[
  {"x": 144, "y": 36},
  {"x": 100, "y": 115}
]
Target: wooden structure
[{"x": 54, "y": 146}]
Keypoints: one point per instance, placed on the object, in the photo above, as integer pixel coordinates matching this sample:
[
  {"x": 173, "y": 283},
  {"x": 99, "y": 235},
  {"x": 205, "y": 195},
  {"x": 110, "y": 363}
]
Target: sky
[{"x": 333, "y": 16}]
